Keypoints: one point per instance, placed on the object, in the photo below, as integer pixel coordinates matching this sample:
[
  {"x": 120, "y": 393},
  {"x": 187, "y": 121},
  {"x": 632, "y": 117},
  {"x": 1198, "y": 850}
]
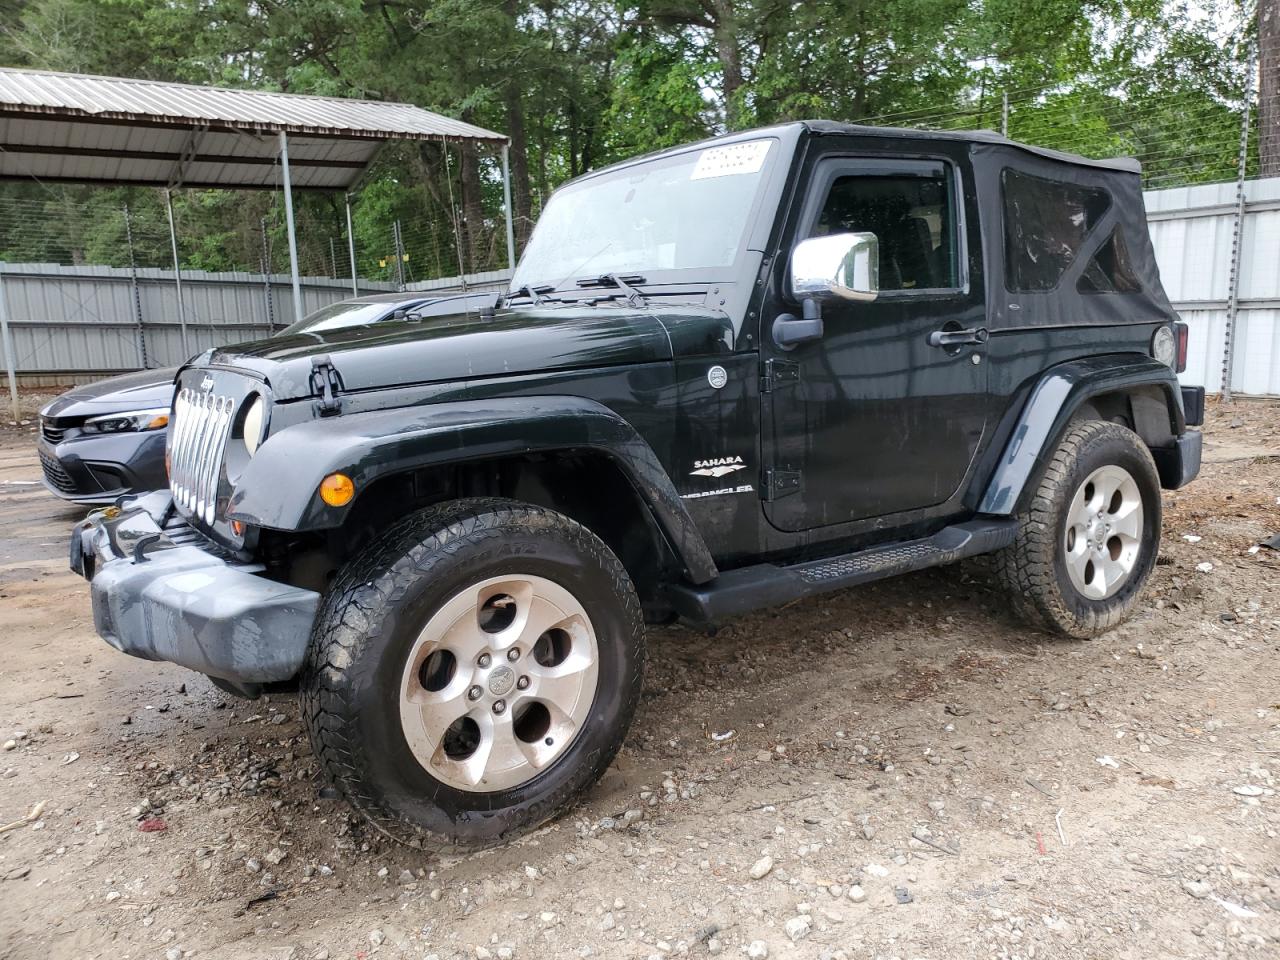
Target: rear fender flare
[
  {"x": 1055, "y": 399},
  {"x": 279, "y": 487}
]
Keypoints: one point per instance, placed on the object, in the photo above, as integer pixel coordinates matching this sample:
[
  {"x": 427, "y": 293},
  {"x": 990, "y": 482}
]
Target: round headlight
[
  {"x": 1164, "y": 347},
  {"x": 254, "y": 420}
]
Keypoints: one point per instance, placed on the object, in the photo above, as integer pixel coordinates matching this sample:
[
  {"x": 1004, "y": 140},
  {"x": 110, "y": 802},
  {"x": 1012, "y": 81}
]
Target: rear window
[{"x": 1045, "y": 224}]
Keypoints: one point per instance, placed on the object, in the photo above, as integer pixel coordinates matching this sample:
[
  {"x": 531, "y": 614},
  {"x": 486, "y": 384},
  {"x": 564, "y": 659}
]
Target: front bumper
[
  {"x": 93, "y": 470},
  {"x": 159, "y": 599}
]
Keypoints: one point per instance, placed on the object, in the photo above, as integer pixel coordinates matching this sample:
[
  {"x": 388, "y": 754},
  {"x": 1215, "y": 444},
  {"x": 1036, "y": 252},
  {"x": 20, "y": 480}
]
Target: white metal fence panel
[
  {"x": 76, "y": 323},
  {"x": 1192, "y": 228}
]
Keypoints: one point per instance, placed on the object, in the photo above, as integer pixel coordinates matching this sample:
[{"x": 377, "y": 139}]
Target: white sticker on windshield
[{"x": 731, "y": 160}]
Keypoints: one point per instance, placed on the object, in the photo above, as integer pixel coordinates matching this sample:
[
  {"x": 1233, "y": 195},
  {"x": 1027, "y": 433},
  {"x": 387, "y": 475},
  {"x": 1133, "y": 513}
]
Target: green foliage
[{"x": 581, "y": 83}]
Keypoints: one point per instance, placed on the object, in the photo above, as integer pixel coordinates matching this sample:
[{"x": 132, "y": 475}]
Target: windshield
[
  {"x": 683, "y": 212},
  {"x": 341, "y": 314}
]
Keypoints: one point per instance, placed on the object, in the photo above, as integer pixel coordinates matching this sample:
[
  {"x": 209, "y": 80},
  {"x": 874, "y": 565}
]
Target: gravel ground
[{"x": 896, "y": 771}]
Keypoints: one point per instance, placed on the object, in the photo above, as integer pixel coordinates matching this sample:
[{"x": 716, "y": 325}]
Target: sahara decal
[{"x": 717, "y": 467}]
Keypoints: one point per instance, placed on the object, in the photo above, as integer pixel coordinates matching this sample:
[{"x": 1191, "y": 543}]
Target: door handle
[{"x": 957, "y": 338}]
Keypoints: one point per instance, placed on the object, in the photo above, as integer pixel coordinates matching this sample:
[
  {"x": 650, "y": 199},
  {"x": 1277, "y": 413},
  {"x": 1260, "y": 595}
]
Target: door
[{"x": 881, "y": 415}]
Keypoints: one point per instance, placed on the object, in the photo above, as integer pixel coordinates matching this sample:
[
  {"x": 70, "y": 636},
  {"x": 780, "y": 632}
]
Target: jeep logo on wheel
[{"x": 501, "y": 681}]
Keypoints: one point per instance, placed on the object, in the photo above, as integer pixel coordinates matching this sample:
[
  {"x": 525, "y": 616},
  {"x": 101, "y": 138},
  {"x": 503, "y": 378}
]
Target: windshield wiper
[
  {"x": 634, "y": 297},
  {"x": 534, "y": 291}
]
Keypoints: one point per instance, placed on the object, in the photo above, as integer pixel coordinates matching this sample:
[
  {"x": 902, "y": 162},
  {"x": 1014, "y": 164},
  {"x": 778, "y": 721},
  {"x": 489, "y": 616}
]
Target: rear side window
[
  {"x": 1110, "y": 270},
  {"x": 1045, "y": 224}
]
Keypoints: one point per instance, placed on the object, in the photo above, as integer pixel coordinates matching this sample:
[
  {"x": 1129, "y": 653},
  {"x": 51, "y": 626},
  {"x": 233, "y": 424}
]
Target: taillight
[{"x": 1183, "y": 333}]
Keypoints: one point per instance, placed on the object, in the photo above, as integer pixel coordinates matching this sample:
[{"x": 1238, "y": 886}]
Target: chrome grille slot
[{"x": 197, "y": 440}]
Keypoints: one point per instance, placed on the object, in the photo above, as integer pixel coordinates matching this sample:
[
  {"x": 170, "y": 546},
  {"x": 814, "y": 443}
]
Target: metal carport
[{"x": 114, "y": 131}]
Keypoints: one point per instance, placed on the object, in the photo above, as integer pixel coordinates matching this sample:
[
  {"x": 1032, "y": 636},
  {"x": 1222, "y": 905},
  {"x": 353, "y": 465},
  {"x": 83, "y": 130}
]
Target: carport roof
[{"x": 66, "y": 127}]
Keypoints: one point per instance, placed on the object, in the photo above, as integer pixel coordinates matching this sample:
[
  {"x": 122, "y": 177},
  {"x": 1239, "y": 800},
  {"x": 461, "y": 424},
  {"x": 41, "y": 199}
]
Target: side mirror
[
  {"x": 845, "y": 265},
  {"x": 399, "y": 313}
]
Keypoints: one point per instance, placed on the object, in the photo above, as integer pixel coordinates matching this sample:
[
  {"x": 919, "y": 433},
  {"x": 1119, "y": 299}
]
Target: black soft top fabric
[{"x": 1064, "y": 304}]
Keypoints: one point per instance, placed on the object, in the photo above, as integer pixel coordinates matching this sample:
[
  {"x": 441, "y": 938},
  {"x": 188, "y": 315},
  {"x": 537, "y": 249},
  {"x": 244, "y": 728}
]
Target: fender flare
[
  {"x": 369, "y": 446},
  {"x": 1053, "y": 401}
]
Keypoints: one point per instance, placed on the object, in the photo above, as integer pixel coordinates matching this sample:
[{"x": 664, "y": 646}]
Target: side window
[
  {"x": 1045, "y": 223},
  {"x": 913, "y": 217},
  {"x": 1110, "y": 270}
]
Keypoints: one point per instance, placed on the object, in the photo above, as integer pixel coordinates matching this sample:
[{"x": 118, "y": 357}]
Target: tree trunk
[
  {"x": 472, "y": 208},
  {"x": 730, "y": 56},
  {"x": 1269, "y": 88},
  {"x": 521, "y": 202},
  {"x": 522, "y": 205}
]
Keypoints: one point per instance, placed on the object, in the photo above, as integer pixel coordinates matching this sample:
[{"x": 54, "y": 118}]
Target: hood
[
  {"x": 132, "y": 391},
  {"x": 471, "y": 346}
]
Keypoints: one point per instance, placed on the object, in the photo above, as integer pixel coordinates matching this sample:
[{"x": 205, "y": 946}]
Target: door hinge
[
  {"x": 780, "y": 483},
  {"x": 778, "y": 373},
  {"x": 325, "y": 384}
]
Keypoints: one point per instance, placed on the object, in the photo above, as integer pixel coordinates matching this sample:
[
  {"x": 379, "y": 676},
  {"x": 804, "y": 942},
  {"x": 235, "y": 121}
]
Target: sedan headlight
[
  {"x": 131, "y": 421},
  {"x": 254, "y": 421}
]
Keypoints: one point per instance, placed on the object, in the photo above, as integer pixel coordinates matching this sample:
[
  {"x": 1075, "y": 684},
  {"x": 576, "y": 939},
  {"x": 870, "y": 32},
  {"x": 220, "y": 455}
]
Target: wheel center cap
[{"x": 501, "y": 681}]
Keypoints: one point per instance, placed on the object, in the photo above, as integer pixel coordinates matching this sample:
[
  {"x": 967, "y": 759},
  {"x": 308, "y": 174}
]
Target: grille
[
  {"x": 197, "y": 438},
  {"x": 181, "y": 533},
  {"x": 58, "y": 477},
  {"x": 52, "y": 433}
]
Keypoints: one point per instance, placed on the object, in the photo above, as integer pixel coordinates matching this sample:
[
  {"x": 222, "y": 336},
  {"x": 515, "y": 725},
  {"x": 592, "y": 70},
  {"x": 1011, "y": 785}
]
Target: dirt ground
[{"x": 982, "y": 789}]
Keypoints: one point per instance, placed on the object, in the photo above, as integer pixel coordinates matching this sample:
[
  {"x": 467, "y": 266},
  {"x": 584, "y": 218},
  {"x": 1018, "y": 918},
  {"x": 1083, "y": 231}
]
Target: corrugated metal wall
[
  {"x": 77, "y": 323},
  {"x": 1191, "y": 228}
]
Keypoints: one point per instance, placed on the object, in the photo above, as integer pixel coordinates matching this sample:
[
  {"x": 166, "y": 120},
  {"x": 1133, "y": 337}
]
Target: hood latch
[{"x": 325, "y": 384}]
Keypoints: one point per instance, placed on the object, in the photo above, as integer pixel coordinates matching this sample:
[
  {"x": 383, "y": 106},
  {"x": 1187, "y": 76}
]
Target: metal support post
[
  {"x": 10, "y": 359},
  {"x": 266, "y": 276},
  {"x": 506, "y": 199},
  {"x": 137, "y": 294},
  {"x": 288, "y": 217},
  {"x": 398, "y": 240},
  {"x": 177, "y": 273},
  {"x": 1004, "y": 114},
  {"x": 351, "y": 248},
  {"x": 1237, "y": 244}
]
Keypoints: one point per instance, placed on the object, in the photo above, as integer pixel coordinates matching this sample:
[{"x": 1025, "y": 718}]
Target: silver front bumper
[{"x": 160, "y": 600}]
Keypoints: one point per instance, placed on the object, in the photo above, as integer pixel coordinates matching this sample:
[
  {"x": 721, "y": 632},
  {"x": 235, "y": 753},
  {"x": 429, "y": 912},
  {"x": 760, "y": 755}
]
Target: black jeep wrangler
[{"x": 725, "y": 376}]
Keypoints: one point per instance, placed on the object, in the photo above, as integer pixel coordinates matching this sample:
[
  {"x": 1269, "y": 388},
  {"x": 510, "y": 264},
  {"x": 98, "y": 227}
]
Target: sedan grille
[
  {"x": 197, "y": 439},
  {"x": 56, "y": 475},
  {"x": 52, "y": 433}
]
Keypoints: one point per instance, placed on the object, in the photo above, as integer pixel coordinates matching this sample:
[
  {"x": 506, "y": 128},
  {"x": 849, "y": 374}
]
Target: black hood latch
[{"x": 325, "y": 384}]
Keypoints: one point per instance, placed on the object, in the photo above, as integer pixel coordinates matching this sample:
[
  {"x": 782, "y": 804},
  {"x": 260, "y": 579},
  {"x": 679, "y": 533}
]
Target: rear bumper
[
  {"x": 1180, "y": 464},
  {"x": 160, "y": 600}
]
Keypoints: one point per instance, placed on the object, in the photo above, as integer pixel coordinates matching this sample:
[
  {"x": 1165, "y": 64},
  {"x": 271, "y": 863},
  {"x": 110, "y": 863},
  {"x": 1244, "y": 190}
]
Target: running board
[{"x": 740, "y": 591}]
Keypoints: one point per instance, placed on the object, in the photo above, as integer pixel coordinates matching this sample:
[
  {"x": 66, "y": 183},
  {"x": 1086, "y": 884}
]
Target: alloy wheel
[
  {"x": 1103, "y": 536},
  {"x": 499, "y": 682}
]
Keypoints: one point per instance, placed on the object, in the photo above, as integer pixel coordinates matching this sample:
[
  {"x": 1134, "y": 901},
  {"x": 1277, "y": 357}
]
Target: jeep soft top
[{"x": 725, "y": 376}]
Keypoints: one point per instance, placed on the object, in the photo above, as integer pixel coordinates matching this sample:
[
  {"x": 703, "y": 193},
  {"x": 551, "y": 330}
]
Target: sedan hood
[
  {"x": 472, "y": 346},
  {"x": 144, "y": 390}
]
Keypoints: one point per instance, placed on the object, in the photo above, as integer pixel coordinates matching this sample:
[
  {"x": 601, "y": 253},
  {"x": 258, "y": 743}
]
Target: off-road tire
[
  {"x": 1033, "y": 566},
  {"x": 368, "y": 622}
]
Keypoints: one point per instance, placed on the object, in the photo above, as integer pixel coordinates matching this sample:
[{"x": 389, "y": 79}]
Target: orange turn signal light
[
  {"x": 337, "y": 489},
  {"x": 237, "y": 528}
]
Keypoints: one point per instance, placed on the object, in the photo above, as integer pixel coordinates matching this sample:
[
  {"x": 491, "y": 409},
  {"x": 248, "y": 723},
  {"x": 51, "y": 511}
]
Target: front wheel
[
  {"x": 1088, "y": 540},
  {"x": 474, "y": 672}
]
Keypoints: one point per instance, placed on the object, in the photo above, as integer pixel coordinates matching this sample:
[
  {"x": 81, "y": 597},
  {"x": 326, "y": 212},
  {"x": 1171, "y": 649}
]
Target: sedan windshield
[
  {"x": 682, "y": 212},
  {"x": 341, "y": 314}
]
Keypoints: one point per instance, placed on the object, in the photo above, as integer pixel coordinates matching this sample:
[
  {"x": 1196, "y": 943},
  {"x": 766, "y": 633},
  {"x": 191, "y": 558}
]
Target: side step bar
[{"x": 740, "y": 591}]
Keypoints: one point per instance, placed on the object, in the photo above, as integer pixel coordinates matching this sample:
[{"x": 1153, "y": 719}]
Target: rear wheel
[
  {"x": 1089, "y": 538},
  {"x": 475, "y": 671}
]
